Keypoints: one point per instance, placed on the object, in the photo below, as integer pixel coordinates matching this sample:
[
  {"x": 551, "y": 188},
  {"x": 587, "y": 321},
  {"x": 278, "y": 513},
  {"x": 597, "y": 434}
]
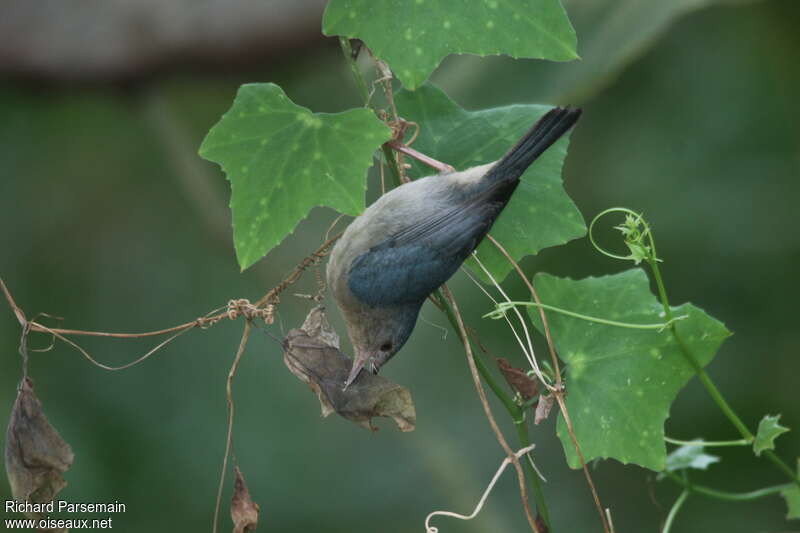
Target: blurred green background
[{"x": 110, "y": 220}]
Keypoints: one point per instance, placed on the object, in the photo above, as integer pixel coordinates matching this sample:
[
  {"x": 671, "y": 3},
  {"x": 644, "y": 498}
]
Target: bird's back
[{"x": 412, "y": 239}]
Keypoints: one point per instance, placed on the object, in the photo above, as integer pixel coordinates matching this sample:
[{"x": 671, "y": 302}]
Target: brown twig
[
  {"x": 264, "y": 308},
  {"x": 229, "y": 437},
  {"x": 272, "y": 296},
  {"x": 35, "y": 326},
  {"x": 562, "y": 405},
  {"x": 14, "y": 307},
  {"x": 559, "y": 384},
  {"x": 97, "y": 363},
  {"x": 488, "y": 411},
  {"x": 234, "y": 309}
]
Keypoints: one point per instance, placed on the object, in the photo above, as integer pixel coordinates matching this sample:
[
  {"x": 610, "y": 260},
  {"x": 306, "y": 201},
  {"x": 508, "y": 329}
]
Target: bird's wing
[{"x": 416, "y": 260}]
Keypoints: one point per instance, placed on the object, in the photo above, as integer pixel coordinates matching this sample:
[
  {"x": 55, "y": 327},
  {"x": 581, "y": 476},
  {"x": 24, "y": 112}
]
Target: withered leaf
[
  {"x": 312, "y": 354},
  {"x": 244, "y": 511},
  {"x": 36, "y": 456},
  {"x": 543, "y": 408},
  {"x": 316, "y": 325},
  {"x": 518, "y": 379}
]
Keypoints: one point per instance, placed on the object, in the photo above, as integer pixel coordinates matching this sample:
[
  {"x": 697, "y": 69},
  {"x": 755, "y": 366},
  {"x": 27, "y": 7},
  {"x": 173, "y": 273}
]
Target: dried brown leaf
[
  {"x": 36, "y": 456},
  {"x": 312, "y": 354},
  {"x": 244, "y": 511},
  {"x": 543, "y": 408},
  {"x": 316, "y": 325},
  {"x": 518, "y": 379}
]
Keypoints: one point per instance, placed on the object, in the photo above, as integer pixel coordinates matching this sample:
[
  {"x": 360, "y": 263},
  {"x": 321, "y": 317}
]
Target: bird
[{"x": 412, "y": 239}]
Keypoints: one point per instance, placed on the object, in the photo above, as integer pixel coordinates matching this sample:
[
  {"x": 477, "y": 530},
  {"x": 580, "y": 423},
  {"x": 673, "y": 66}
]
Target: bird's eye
[{"x": 386, "y": 347}]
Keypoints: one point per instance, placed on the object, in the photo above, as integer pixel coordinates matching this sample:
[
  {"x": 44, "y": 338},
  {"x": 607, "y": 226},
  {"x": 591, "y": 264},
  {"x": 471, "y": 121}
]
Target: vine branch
[
  {"x": 432, "y": 529},
  {"x": 513, "y": 409},
  {"x": 558, "y": 389},
  {"x": 725, "y": 495},
  {"x": 229, "y": 436},
  {"x": 488, "y": 411},
  {"x": 634, "y": 238}
]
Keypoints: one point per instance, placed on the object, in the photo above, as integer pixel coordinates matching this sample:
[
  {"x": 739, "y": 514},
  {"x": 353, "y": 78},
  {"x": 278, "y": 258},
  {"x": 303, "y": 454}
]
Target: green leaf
[
  {"x": 540, "y": 214},
  {"x": 689, "y": 456},
  {"x": 414, "y": 36},
  {"x": 614, "y": 34},
  {"x": 282, "y": 160},
  {"x": 792, "y": 496},
  {"x": 621, "y": 382},
  {"x": 768, "y": 431}
]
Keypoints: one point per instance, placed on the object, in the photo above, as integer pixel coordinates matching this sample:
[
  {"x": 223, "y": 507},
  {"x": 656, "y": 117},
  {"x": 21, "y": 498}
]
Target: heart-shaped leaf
[
  {"x": 282, "y": 160},
  {"x": 620, "y": 381}
]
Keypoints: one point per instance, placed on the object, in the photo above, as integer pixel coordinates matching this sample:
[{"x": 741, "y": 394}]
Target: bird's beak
[{"x": 359, "y": 361}]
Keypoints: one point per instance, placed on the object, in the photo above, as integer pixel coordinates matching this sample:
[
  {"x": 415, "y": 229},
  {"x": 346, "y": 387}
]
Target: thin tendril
[{"x": 503, "y": 307}]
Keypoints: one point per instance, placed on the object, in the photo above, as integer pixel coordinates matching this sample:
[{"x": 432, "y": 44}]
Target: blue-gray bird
[{"x": 413, "y": 238}]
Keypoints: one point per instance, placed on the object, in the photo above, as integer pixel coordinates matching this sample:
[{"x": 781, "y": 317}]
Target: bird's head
[{"x": 377, "y": 334}]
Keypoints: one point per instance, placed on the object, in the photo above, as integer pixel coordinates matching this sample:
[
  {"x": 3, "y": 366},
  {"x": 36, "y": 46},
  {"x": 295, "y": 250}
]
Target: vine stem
[
  {"x": 708, "y": 443},
  {"x": 361, "y": 83},
  {"x": 652, "y": 260},
  {"x": 313, "y": 258},
  {"x": 208, "y": 320},
  {"x": 447, "y": 297},
  {"x": 705, "y": 379},
  {"x": 674, "y": 511},
  {"x": 431, "y": 529},
  {"x": 725, "y": 495},
  {"x": 229, "y": 435},
  {"x": 347, "y": 50},
  {"x": 488, "y": 411},
  {"x": 513, "y": 410},
  {"x": 264, "y": 308},
  {"x": 558, "y": 389},
  {"x": 503, "y": 306},
  {"x": 712, "y": 389}
]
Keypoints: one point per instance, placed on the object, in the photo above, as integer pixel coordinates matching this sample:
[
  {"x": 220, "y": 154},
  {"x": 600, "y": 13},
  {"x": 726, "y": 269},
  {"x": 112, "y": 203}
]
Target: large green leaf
[
  {"x": 540, "y": 214},
  {"x": 413, "y": 36},
  {"x": 621, "y": 382},
  {"x": 282, "y": 160}
]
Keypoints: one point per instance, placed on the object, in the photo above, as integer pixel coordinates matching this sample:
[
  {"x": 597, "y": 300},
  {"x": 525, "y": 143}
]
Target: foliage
[
  {"x": 413, "y": 37},
  {"x": 282, "y": 160},
  {"x": 768, "y": 431},
  {"x": 690, "y": 456},
  {"x": 792, "y": 496},
  {"x": 468, "y": 138},
  {"x": 613, "y": 34},
  {"x": 628, "y": 353},
  {"x": 622, "y": 381}
]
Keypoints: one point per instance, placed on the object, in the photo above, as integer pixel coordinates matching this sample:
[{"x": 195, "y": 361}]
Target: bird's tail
[{"x": 544, "y": 133}]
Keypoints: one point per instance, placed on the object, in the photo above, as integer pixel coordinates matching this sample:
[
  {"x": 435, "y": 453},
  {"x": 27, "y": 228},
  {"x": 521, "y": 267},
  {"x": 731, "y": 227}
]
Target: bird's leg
[{"x": 419, "y": 156}]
